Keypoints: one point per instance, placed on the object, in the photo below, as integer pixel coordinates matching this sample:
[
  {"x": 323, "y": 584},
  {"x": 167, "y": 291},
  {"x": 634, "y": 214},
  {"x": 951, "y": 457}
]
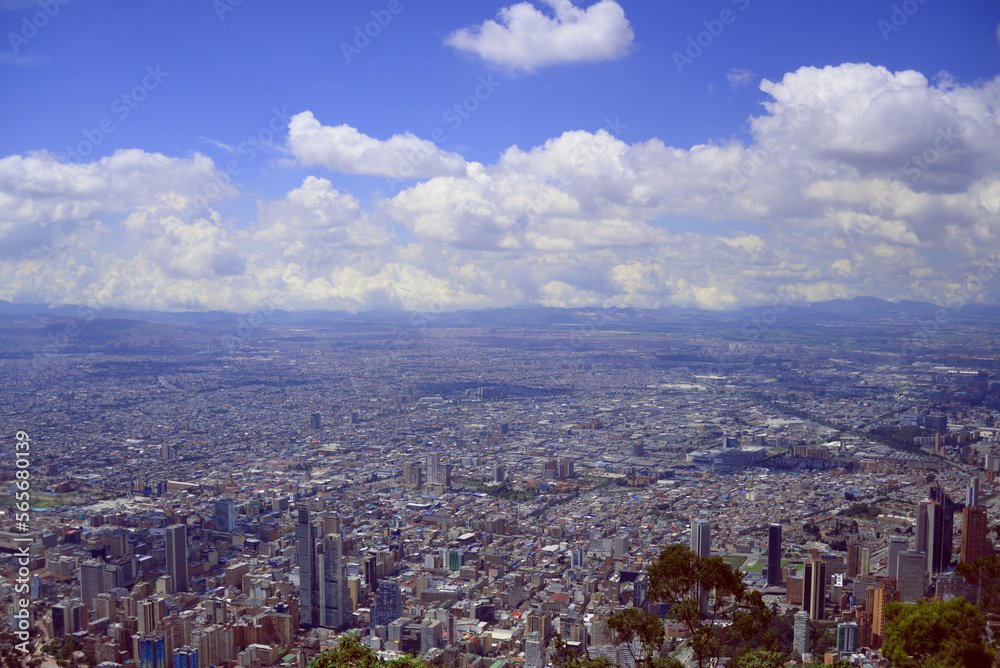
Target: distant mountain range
[{"x": 862, "y": 308}]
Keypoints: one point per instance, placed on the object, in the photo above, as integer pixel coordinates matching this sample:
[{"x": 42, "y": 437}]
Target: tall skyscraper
[
  {"x": 701, "y": 538},
  {"x": 807, "y": 577},
  {"x": 847, "y": 637},
  {"x": 972, "y": 493},
  {"x": 939, "y": 538},
  {"x": 225, "y": 515},
  {"x": 853, "y": 560},
  {"x": 800, "y": 641},
  {"x": 305, "y": 535},
  {"x": 334, "y": 596},
  {"x": 370, "y": 564},
  {"x": 911, "y": 576},
  {"x": 91, "y": 581},
  {"x": 897, "y": 544},
  {"x": 388, "y": 604},
  {"x": 177, "y": 556},
  {"x": 774, "y": 555},
  {"x": 921, "y": 528},
  {"x": 886, "y": 593},
  {"x": 432, "y": 468},
  {"x": 701, "y": 544},
  {"x": 975, "y": 544},
  {"x": 185, "y": 657},
  {"x": 817, "y": 594},
  {"x": 152, "y": 651}
]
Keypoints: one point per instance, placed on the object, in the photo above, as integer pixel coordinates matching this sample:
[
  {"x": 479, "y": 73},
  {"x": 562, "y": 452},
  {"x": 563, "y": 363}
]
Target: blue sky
[{"x": 610, "y": 153}]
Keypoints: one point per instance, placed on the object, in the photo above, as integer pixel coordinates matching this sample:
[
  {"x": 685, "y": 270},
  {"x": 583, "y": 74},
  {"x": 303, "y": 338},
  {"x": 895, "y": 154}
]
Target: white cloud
[
  {"x": 825, "y": 202},
  {"x": 42, "y": 197},
  {"x": 344, "y": 149},
  {"x": 739, "y": 78},
  {"x": 523, "y": 38}
]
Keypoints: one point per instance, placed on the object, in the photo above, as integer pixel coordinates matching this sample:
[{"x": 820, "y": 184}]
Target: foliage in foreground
[{"x": 941, "y": 634}]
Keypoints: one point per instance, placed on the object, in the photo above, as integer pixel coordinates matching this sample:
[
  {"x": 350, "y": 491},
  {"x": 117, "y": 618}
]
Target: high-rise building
[
  {"x": 853, "y": 560},
  {"x": 334, "y": 597},
  {"x": 938, "y": 536},
  {"x": 91, "y": 581},
  {"x": 534, "y": 651},
  {"x": 911, "y": 576},
  {"x": 315, "y": 421},
  {"x": 886, "y": 593},
  {"x": 701, "y": 544},
  {"x": 186, "y": 657},
  {"x": 774, "y": 555},
  {"x": 817, "y": 590},
  {"x": 388, "y": 604},
  {"x": 305, "y": 535},
  {"x": 972, "y": 493},
  {"x": 897, "y": 544},
  {"x": 847, "y": 637},
  {"x": 975, "y": 544},
  {"x": 370, "y": 564},
  {"x": 225, "y": 515},
  {"x": 864, "y": 563},
  {"x": 432, "y": 468},
  {"x": 498, "y": 472},
  {"x": 701, "y": 538},
  {"x": 152, "y": 651},
  {"x": 177, "y": 556},
  {"x": 800, "y": 641},
  {"x": 621, "y": 547},
  {"x": 807, "y": 578}
]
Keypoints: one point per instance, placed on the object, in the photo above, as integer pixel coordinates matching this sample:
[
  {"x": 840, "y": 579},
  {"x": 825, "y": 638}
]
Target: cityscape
[
  {"x": 472, "y": 492},
  {"x": 500, "y": 334}
]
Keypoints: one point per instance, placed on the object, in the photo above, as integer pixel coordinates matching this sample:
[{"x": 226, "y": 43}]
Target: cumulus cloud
[
  {"x": 856, "y": 181},
  {"x": 43, "y": 197},
  {"x": 344, "y": 149},
  {"x": 524, "y": 38}
]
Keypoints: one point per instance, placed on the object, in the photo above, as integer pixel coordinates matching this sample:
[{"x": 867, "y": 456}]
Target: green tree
[
  {"x": 760, "y": 658},
  {"x": 350, "y": 653},
  {"x": 676, "y": 578},
  {"x": 564, "y": 657},
  {"x": 942, "y": 634},
  {"x": 636, "y": 625}
]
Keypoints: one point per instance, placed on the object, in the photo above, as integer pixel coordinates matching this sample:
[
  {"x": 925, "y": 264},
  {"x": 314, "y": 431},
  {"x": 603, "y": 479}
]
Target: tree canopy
[
  {"x": 679, "y": 575},
  {"x": 941, "y": 634}
]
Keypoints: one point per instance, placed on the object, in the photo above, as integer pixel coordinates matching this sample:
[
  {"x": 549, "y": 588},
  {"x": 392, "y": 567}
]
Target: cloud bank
[{"x": 857, "y": 181}]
